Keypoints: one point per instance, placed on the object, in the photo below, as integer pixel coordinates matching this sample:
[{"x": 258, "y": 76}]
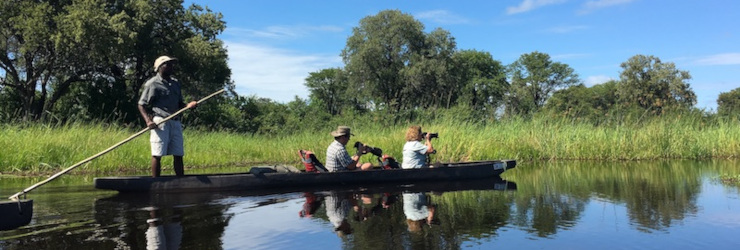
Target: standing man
[
  {"x": 337, "y": 158},
  {"x": 161, "y": 97}
]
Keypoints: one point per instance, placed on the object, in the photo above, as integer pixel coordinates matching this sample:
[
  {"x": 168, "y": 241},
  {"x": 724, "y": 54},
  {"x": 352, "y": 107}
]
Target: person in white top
[{"x": 414, "y": 152}]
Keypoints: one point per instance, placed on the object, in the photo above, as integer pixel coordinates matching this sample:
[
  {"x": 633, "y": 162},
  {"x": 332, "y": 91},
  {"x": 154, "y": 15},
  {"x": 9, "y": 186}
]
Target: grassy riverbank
[{"x": 42, "y": 148}]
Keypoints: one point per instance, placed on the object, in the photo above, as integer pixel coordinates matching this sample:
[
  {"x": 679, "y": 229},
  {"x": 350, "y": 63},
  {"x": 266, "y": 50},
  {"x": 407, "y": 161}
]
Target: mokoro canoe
[
  {"x": 15, "y": 214},
  {"x": 262, "y": 180}
]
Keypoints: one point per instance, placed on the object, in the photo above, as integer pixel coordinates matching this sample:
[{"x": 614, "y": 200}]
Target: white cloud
[
  {"x": 282, "y": 32},
  {"x": 591, "y": 6},
  {"x": 720, "y": 59},
  {"x": 566, "y": 29},
  {"x": 441, "y": 16},
  {"x": 593, "y": 80},
  {"x": 273, "y": 73},
  {"x": 528, "y": 5}
]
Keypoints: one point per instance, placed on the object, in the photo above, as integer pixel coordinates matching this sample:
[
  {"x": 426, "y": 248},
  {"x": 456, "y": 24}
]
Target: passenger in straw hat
[
  {"x": 161, "y": 97},
  {"x": 337, "y": 158}
]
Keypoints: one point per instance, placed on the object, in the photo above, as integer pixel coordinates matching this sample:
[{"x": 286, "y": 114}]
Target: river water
[{"x": 563, "y": 205}]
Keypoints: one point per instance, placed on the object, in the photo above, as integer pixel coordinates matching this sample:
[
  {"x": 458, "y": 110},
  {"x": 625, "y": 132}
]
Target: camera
[
  {"x": 375, "y": 151},
  {"x": 431, "y": 135}
]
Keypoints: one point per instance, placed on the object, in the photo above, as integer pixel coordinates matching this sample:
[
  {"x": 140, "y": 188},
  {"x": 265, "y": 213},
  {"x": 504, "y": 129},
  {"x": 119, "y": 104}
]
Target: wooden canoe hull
[
  {"x": 245, "y": 181},
  {"x": 193, "y": 198},
  {"x": 15, "y": 214}
]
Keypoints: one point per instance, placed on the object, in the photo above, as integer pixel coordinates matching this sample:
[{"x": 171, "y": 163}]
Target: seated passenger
[
  {"x": 414, "y": 152},
  {"x": 337, "y": 158}
]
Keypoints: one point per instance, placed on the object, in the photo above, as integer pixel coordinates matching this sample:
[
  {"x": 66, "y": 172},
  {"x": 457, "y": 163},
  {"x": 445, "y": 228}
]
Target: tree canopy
[
  {"x": 650, "y": 84},
  {"x": 92, "y": 56},
  {"x": 378, "y": 54},
  {"x": 85, "y": 60},
  {"x": 595, "y": 102},
  {"x": 728, "y": 104},
  {"x": 534, "y": 77}
]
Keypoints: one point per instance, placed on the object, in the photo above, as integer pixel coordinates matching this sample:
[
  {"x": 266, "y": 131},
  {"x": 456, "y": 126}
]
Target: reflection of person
[
  {"x": 337, "y": 158},
  {"x": 161, "y": 97},
  {"x": 338, "y": 206},
  {"x": 418, "y": 210},
  {"x": 312, "y": 204},
  {"x": 389, "y": 199},
  {"x": 163, "y": 235},
  {"x": 414, "y": 152},
  {"x": 370, "y": 206}
]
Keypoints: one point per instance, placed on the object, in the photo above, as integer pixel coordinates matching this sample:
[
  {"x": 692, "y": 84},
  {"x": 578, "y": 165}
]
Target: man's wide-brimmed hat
[
  {"x": 341, "y": 130},
  {"x": 162, "y": 60}
]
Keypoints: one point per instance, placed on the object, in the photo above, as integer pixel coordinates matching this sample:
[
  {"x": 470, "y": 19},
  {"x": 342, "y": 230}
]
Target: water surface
[{"x": 565, "y": 205}]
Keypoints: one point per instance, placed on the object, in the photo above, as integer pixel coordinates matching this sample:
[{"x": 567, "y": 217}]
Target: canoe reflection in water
[
  {"x": 163, "y": 234},
  {"x": 358, "y": 214}
]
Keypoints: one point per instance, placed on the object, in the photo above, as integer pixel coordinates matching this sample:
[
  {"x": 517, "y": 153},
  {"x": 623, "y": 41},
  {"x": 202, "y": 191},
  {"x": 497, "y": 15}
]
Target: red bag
[{"x": 310, "y": 162}]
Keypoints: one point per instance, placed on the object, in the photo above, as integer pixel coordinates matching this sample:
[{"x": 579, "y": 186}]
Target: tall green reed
[{"x": 44, "y": 148}]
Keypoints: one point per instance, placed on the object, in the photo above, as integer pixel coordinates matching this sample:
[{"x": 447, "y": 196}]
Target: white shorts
[{"x": 167, "y": 139}]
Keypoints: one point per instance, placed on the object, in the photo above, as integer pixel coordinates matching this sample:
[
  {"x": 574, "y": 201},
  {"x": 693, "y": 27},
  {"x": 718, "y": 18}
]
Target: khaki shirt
[{"x": 163, "y": 97}]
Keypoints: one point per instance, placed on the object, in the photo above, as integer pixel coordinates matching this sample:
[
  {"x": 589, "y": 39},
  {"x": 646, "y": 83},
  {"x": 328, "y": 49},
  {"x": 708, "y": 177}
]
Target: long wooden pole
[{"x": 15, "y": 196}]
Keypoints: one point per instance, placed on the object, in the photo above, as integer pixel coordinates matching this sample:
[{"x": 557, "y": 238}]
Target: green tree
[
  {"x": 57, "y": 51},
  {"x": 534, "y": 77},
  {"x": 483, "y": 81},
  {"x": 27, "y": 61},
  {"x": 329, "y": 88},
  {"x": 579, "y": 101},
  {"x": 652, "y": 85},
  {"x": 431, "y": 78},
  {"x": 377, "y": 52},
  {"x": 728, "y": 104}
]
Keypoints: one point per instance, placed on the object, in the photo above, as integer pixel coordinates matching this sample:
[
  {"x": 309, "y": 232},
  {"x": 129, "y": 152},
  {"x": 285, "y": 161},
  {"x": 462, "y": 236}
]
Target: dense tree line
[{"x": 85, "y": 60}]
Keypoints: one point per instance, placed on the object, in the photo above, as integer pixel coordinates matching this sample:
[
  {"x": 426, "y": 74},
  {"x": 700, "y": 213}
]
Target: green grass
[{"x": 29, "y": 149}]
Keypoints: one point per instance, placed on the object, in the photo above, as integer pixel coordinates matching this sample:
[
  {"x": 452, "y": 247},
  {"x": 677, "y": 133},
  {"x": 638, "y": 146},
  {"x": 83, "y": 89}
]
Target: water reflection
[
  {"x": 655, "y": 194},
  {"x": 407, "y": 215},
  {"x": 338, "y": 205},
  {"x": 312, "y": 203},
  {"x": 419, "y": 211},
  {"x": 162, "y": 221},
  {"x": 164, "y": 233},
  {"x": 561, "y": 205}
]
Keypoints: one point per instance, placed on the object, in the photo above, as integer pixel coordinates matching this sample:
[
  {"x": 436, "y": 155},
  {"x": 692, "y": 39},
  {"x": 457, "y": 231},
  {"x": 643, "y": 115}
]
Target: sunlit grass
[{"x": 42, "y": 148}]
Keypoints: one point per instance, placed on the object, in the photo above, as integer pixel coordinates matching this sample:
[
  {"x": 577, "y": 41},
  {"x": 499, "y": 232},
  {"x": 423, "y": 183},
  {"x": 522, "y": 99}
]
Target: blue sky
[{"x": 274, "y": 44}]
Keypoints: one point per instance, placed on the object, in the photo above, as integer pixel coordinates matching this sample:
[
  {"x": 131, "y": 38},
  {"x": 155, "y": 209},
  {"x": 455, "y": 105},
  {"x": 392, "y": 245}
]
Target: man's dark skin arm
[{"x": 149, "y": 123}]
